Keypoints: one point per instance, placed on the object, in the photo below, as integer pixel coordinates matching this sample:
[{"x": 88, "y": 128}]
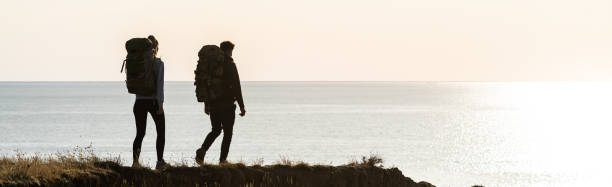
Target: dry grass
[
  {"x": 285, "y": 161},
  {"x": 257, "y": 162},
  {"x": 40, "y": 168},
  {"x": 373, "y": 160},
  {"x": 63, "y": 168}
]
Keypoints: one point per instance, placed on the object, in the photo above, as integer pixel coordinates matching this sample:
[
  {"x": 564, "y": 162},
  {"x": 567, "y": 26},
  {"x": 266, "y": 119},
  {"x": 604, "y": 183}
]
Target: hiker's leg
[
  {"x": 160, "y": 126},
  {"x": 228, "y": 128},
  {"x": 140, "y": 115},
  {"x": 215, "y": 122}
]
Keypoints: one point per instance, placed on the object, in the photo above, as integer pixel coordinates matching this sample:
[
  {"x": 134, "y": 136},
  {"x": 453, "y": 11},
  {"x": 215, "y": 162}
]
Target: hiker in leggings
[
  {"x": 222, "y": 110},
  {"x": 153, "y": 105}
]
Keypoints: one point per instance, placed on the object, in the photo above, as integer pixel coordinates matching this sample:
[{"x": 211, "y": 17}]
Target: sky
[{"x": 315, "y": 40}]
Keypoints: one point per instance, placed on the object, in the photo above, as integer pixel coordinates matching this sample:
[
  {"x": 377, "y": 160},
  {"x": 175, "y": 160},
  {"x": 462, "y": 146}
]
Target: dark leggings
[
  {"x": 141, "y": 108},
  {"x": 221, "y": 119}
]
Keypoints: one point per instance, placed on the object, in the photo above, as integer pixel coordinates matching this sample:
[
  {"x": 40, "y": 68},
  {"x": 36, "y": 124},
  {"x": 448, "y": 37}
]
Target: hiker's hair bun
[{"x": 154, "y": 40}]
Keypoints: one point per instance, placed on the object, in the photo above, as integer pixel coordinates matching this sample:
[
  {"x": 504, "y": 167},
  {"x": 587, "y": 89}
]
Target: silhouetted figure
[
  {"x": 154, "y": 105},
  {"x": 222, "y": 109}
]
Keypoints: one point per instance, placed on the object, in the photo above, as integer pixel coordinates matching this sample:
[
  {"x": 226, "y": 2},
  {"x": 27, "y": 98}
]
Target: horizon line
[{"x": 521, "y": 81}]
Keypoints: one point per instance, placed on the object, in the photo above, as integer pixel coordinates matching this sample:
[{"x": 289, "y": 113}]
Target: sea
[{"x": 446, "y": 133}]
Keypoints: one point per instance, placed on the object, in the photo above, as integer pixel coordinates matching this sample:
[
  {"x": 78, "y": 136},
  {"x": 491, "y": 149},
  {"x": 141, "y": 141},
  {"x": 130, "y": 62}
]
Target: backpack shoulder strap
[{"x": 122, "y": 66}]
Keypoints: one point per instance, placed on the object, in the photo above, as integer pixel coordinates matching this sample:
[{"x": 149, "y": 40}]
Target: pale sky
[{"x": 315, "y": 40}]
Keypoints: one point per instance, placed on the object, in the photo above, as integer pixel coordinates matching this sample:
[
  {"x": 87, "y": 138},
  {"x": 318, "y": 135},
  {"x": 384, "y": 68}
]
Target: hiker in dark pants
[
  {"x": 155, "y": 106},
  {"x": 222, "y": 110}
]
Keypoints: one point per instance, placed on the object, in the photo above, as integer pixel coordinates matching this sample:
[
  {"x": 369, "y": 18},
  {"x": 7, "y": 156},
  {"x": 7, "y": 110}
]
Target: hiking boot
[
  {"x": 199, "y": 158},
  {"x": 136, "y": 164},
  {"x": 136, "y": 157},
  {"x": 161, "y": 165}
]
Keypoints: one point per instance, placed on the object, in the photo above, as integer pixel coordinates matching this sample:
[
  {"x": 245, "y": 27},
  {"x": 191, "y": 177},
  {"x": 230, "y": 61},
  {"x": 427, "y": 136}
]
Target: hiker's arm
[
  {"x": 160, "y": 87},
  {"x": 238, "y": 93},
  {"x": 206, "y": 111}
]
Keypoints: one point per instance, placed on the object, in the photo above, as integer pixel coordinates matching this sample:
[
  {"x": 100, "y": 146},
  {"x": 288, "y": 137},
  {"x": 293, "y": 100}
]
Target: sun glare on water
[{"x": 565, "y": 127}]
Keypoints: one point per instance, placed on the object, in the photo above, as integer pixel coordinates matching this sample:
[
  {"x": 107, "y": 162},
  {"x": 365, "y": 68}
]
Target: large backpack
[
  {"x": 140, "y": 67},
  {"x": 209, "y": 81}
]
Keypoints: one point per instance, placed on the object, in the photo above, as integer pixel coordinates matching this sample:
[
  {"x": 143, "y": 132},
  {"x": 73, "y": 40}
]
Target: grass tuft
[{"x": 373, "y": 160}]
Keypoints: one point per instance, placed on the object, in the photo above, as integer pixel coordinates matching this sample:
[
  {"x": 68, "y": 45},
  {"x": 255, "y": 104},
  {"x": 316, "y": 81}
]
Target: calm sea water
[{"x": 450, "y": 134}]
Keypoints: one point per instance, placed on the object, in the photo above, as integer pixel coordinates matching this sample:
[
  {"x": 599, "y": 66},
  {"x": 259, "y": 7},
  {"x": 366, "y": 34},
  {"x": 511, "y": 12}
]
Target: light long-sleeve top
[{"x": 159, "y": 94}]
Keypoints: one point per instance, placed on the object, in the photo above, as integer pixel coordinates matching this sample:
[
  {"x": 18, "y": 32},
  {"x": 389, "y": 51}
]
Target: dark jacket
[{"x": 233, "y": 92}]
